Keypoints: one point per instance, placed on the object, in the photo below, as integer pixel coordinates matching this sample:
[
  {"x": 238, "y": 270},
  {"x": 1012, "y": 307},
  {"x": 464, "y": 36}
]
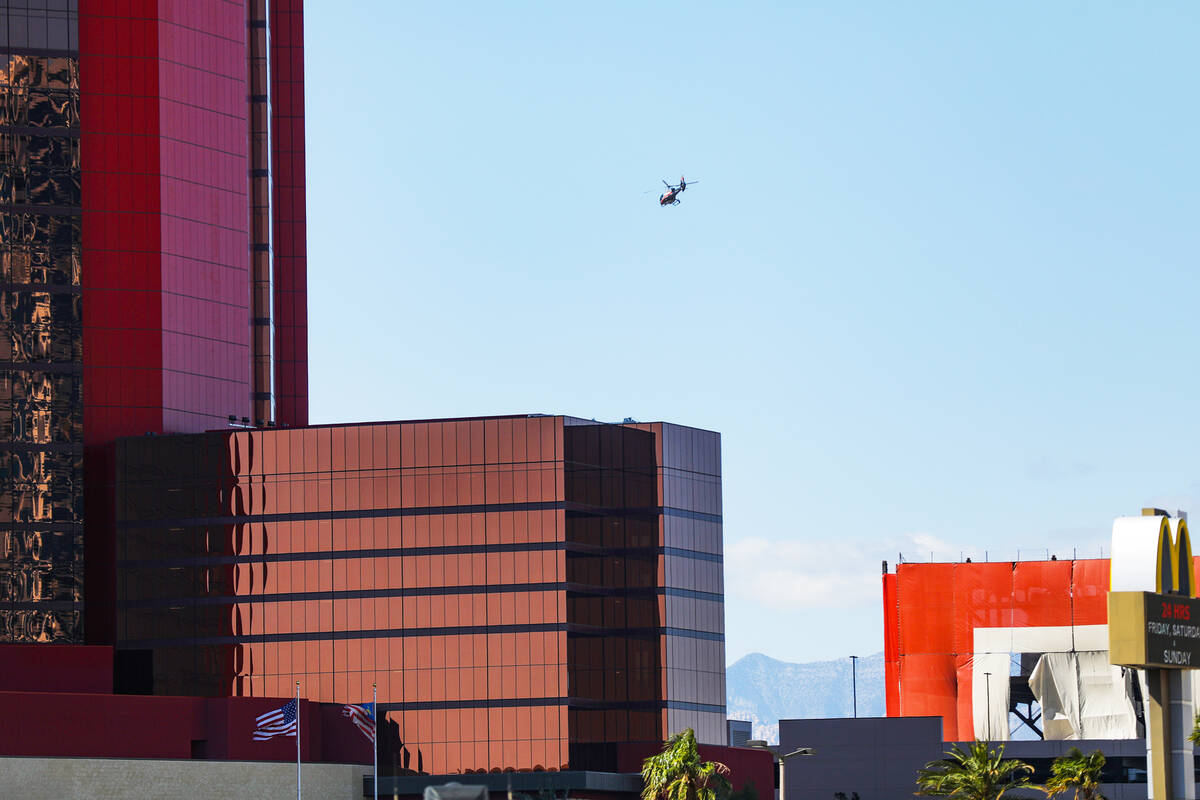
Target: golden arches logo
[
  {"x": 1152, "y": 553},
  {"x": 1174, "y": 567}
]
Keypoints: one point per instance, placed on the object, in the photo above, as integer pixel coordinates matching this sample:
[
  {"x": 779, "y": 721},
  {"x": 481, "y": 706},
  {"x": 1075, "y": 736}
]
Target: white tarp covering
[
  {"x": 1083, "y": 696},
  {"x": 990, "y": 666}
]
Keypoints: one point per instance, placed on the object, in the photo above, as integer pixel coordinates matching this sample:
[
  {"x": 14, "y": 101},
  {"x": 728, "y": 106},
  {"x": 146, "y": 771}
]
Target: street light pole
[
  {"x": 987, "y": 679},
  {"x": 803, "y": 751},
  {"x": 854, "y": 683}
]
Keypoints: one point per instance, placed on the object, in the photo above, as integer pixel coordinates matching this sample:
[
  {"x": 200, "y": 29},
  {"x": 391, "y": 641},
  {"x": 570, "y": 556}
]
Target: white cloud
[
  {"x": 787, "y": 575},
  {"x": 790, "y": 575}
]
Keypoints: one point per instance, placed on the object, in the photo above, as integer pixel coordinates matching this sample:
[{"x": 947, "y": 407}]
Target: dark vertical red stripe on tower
[{"x": 291, "y": 299}]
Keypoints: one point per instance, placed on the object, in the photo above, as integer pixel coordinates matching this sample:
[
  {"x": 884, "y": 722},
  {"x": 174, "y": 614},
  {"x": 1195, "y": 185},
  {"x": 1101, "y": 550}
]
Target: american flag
[
  {"x": 280, "y": 722},
  {"x": 363, "y": 717}
]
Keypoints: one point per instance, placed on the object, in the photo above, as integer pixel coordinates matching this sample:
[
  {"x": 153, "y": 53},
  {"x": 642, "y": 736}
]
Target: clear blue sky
[{"x": 935, "y": 287}]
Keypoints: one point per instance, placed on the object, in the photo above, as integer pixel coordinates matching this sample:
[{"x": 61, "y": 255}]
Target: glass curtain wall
[
  {"x": 425, "y": 557},
  {"x": 41, "y": 399}
]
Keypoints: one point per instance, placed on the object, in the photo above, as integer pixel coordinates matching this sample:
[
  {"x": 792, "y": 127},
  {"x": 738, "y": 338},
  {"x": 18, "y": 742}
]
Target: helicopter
[{"x": 671, "y": 196}]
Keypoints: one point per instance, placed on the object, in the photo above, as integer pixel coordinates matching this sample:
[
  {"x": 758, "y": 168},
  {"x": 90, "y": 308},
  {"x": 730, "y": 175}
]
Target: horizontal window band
[
  {"x": 499, "y": 702},
  {"x": 415, "y": 591},
  {"x": 42, "y": 527},
  {"x": 42, "y": 288},
  {"x": 696, "y": 515},
  {"x": 708, "y": 636},
  {"x": 46, "y": 210},
  {"x": 402, "y": 552},
  {"x": 682, "y": 706},
  {"x": 695, "y": 594},
  {"x": 404, "y": 633},
  {"x": 579, "y": 510},
  {"x": 605, "y": 511},
  {"x": 39, "y": 52},
  {"x": 331, "y": 555},
  {"x": 40, "y": 447},
  {"x": 324, "y": 636},
  {"x": 345, "y": 594},
  {"x": 42, "y": 605},
  {"x": 372, "y": 513},
  {"x": 577, "y": 703},
  {"x": 52, "y": 367},
  {"x": 35, "y": 130},
  {"x": 642, "y": 633},
  {"x": 641, "y": 591},
  {"x": 305, "y": 516},
  {"x": 584, "y": 703},
  {"x": 695, "y": 554}
]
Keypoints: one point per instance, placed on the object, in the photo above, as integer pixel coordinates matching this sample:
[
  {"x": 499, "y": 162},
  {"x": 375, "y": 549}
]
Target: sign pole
[
  {"x": 298, "y": 740},
  {"x": 1158, "y": 734}
]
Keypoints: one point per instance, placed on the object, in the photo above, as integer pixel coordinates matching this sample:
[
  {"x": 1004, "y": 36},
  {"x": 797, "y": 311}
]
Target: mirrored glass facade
[
  {"x": 502, "y": 580},
  {"x": 41, "y": 360}
]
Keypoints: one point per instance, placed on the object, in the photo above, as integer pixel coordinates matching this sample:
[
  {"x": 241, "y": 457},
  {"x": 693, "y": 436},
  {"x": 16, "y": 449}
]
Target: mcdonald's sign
[{"x": 1153, "y": 611}]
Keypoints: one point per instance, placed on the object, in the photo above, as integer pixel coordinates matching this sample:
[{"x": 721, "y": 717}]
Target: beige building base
[{"x": 105, "y": 778}]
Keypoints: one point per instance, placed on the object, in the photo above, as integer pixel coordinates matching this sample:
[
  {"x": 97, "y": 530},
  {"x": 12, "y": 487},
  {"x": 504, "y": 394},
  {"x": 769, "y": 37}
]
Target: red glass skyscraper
[{"x": 153, "y": 256}]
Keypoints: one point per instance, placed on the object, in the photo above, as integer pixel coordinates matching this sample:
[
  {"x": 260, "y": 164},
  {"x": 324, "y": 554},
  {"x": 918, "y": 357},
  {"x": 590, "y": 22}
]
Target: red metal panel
[
  {"x": 1089, "y": 591},
  {"x": 930, "y": 682},
  {"x": 1042, "y": 593},
  {"x": 204, "y": 213},
  {"x": 982, "y": 599},
  {"x": 165, "y": 244},
  {"x": 120, "y": 153},
  {"x": 56, "y": 668},
  {"x": 100, "y": 726},
  {"x": 925, "y": 593},
  {"x": 141, "y": 726}
]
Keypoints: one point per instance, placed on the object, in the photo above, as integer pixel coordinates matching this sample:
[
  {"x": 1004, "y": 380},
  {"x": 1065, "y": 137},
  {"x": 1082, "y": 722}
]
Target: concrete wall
[{"x": 116, "y": 779}]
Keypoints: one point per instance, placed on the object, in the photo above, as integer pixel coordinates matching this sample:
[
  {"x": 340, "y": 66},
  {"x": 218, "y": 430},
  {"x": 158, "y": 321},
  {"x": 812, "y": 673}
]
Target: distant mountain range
[{"x": 764, "y": 691}]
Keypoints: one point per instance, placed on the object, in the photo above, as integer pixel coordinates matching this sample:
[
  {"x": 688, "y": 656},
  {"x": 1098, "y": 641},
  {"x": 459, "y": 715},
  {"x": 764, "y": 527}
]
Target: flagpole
[
  {"x": 375, "y": 744},
  {"x": 298, "y": 740}
]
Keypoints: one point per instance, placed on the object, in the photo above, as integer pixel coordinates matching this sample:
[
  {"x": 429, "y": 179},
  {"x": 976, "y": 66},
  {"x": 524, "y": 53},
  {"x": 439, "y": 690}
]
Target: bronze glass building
[
  {"x": 41, "y": 369},
  {"x": 527, "y": 592}
]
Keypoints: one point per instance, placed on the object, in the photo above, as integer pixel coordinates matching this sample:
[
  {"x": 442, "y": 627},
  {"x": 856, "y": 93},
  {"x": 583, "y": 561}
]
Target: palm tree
[
  {"x": 977, "y": 773},
  {"x": 677, "y": 773},
  {"x": 1078, "y": 773}
]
